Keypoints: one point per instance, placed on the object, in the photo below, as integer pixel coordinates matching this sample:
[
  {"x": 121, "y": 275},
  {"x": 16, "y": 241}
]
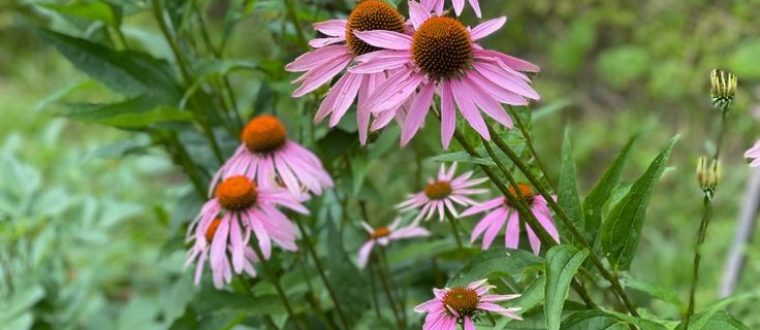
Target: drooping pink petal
[
  {"x": 333, "y": 27},
  {"x": 364, "y": 253},
  {"x": 416, "y": 117},
  {"x": 469, "y": 111},
  {"x": 418, "y": 14},
  {"x": 448, "y": 115}
]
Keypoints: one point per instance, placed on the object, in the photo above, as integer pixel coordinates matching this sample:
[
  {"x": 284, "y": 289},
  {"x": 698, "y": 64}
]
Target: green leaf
[
  {"x": 664, "y": 294},
  {"x": 593, "y": 319},
  {"x": 562, "y": 261},
  {"x": 567, "y": 194},
  {"x": 621, "y": 232},
  {"x": 492, "y": 262},
  {"x": 602, "y": 191},
  {"x": 127, "y": 73},
  {"x": 715, "y": 320},
  {"x": 135, "y": 113}
]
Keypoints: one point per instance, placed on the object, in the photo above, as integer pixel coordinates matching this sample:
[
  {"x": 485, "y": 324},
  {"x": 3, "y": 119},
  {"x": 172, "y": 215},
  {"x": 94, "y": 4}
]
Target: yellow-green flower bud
[
  {"x": 708, "y": 174},
  {"x": 723, "y": 89}
]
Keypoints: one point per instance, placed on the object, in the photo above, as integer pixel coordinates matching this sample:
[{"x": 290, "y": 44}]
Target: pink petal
[
  {"x": 333, "y": 27},
  {"x": 364, "y": 253},
  {"x": 469, "y": 111},
  {"x": 487, "y": 28},
  {"x": 448, "y": 115},
  {"x": 458, "y": 6},
  {"x": 380, "y": 61},
  {"x": 476, "y": 7},
  {"x": 418, "y": 14},
  {"x": 385, "y": 39},
  {"x": 317, "y": 58},
  {"x": 320, "y": 76},
  {"x": 512, "y": 234},
  {"x": 416, "y": 117}
]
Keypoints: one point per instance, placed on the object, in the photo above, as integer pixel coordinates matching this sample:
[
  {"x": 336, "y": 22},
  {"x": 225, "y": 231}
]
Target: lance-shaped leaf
[
  {"x": 622, "y": 229},
  {"x": 562, "y": 261},
  {"x": 567, "y": 193},
  {"x": 602, "y": 191}
]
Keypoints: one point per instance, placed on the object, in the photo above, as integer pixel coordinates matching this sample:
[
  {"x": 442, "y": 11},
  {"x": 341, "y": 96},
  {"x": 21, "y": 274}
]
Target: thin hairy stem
[
  {"x": 701, "y": 234},
  {"x": 322, "y": 274}
]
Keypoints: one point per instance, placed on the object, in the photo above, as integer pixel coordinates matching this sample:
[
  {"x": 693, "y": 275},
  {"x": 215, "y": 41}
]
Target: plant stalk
[
  {"x": 701, "y": 234},
  {"x": 322, "y": 275},
  {"x": 277, "y": 286}
]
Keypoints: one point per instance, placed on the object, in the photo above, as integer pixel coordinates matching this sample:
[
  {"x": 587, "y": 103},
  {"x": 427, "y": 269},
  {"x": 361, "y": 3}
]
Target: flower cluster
[{"x": 267, "y": 172}]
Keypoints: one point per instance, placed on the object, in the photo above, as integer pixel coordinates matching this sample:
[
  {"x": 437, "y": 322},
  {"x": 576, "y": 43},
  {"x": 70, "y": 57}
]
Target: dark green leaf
[
  {"x": 601, "y": 192},
  {"x": 621, "y": 232},
  {"x": 494, "y": 262},
  {"x": 128, "y": 73},
  {"x": 562, "y": 261},
  {"x": 347, "y": 281},
  {"x": 135, "y": 113},
  {"x": 567, "y": 193},
  {"x": 94, "y": 11}
]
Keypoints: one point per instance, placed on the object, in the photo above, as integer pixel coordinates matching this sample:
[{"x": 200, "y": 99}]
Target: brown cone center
[
  {"x": 236, "y": 193},
  {"x": 442, "y": 47},
  {"x": 463, "y": 300},
  {"x": 264, "y": 134},
  {"x": 371, "y": 15}
]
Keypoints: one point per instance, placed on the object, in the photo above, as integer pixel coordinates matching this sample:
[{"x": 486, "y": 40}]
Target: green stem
[
  {"x": 702, "y": 233},
  {"x": 387, "y": 282},
  {"x": 322, "y": 275},
  {"x": 721, "y": 133},
  {"x": 293, "y": 16},
  {"x": 277, "y": 286},
  {"x": 615, "y": 283},
  {"x": 529, "y": 141},
  {"x": 249, "y": 291},
  {"x": 373, "y": 291},
  {"x": 455, "y": 230}
]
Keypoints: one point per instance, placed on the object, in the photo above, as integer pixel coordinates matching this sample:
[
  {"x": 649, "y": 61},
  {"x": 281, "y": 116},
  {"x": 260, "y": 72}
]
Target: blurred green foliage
[{"x": 91, "y": 218}]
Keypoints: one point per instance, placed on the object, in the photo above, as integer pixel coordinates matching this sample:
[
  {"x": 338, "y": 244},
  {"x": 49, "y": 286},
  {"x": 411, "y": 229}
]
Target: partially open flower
[
  {"x": 223, "y": 228},
  {"x": 501, "y": 213},
  {"x": 452, "y": 306},
  {"x": 267, "y": 156},
  {"x": 708, "y": 174},
  {"x": 437, "y": 6},
  {"x": 442, "y": 193},
  {"x": 754, "y": 154},
  {"x": 385, "y": 235}
]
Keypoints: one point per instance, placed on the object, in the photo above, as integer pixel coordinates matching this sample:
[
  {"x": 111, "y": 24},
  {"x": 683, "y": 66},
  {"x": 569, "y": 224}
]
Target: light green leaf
[
  {"x": 715, "y": 320},
  {"x": 602, "y": 191},
  {"x": 562, "y": 261},
  {"x": 593, "y": 319},
  {"x": 94, "y": 11},
  {"x": 493, "y": 262},
  {"x": 567, "y": 194},
  {"x": 621, "y": 231}
]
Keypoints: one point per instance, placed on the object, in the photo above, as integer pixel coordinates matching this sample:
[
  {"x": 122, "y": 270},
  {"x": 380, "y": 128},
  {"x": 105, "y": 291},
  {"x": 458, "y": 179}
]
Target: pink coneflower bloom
[
  {"x": 501, "y": 213},
  {"x": 385, "y": 235},
  {"x": 223, "y": 227},
  {"x": 754, "y": 154},
  {"x": 454, "y": 306},
  {"x": 442, "y": 193},
  {"x": 266, "y": 156},
  {"x": 437, "y": 6},
  {"x": 442, "y": 58},
  {"x": 335, "y": 52}
]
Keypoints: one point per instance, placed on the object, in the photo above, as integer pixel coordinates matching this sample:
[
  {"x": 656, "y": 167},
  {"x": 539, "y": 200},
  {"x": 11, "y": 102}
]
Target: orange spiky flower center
[
  {"x": 236, "y": 193},
  {"x": 211, "y": 230},
  {"x": 522, "y": 191},
  {"x": 438, "y": 190},
  {"x": 462, "y": 300},
  {"x": 442, "y": 47},
  {"x": 264, "y": 134},
  {"x": 371, "y": 15},
  {"x": 380, "y": 233}
]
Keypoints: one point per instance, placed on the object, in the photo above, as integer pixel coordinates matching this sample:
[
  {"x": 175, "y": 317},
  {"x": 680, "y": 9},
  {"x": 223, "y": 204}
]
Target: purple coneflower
[
  {"x": 452, "y": 306},
  {"x": 500, "y": 212},
  {"x": 385, "y": 235},
  {"x": 441, "y": 57},
  {"x": 437, "y": 6},
  {"x": 223, "y": 228},
  {"x": 333, "y": 54},
  {"x": 442, "y": 193},
  {"x": 266, "y": 156},
  {"x": 754, "y": 154}
]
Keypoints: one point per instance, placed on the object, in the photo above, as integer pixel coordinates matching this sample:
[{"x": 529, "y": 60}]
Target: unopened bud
[
  {"x": 723, "y": 89},
  {"x": 708, "y": 174}
]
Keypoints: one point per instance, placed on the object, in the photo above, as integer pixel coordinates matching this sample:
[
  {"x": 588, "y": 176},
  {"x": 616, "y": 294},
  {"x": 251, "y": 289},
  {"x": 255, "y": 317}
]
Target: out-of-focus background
[{"x": 83, "y": 230}]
